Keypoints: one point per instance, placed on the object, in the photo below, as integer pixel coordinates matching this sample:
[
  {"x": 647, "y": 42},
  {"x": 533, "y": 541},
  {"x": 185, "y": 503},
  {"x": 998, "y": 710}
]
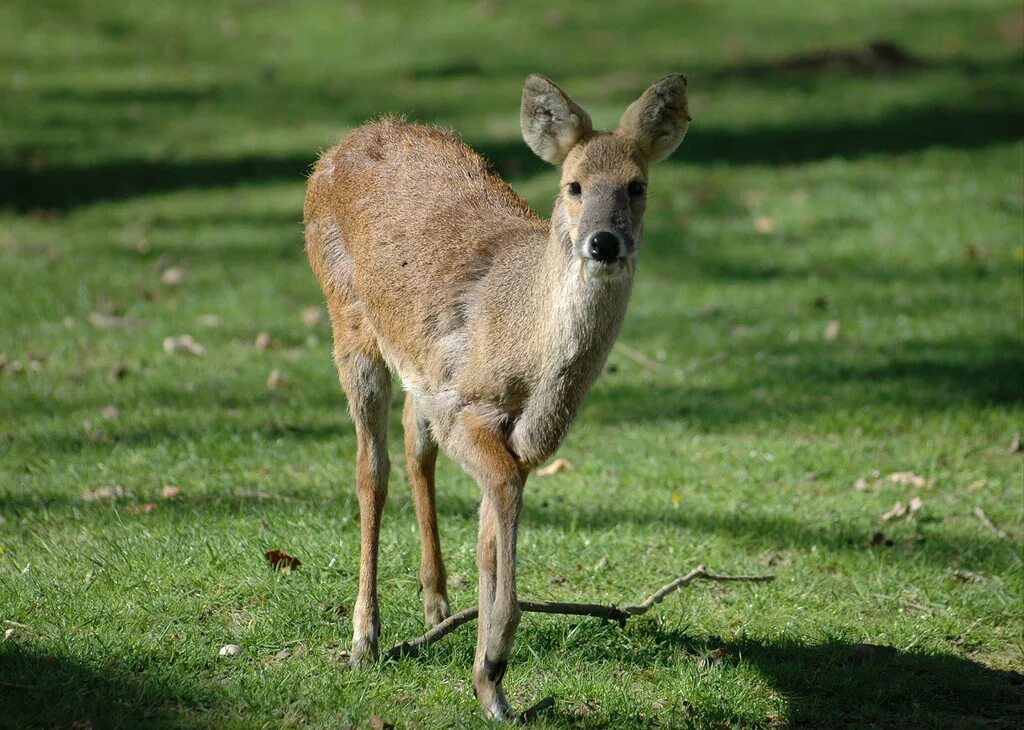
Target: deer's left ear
[{"x": 659, "y": 118}]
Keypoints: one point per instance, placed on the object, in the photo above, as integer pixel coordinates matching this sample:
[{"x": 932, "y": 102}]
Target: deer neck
[{"x": 576, "y": 324}]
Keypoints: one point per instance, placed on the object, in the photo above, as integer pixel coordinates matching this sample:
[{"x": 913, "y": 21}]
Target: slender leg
[
  {"x": 367, "y": 383},
  {"x": 487, "y": 458},
  {"x": 421, "y": 457}
]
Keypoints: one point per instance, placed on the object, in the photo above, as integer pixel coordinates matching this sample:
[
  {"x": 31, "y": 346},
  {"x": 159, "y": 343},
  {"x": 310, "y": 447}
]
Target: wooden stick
[
  {"x": 609, "y": 613},
  {"x": 986, "y": 520}
]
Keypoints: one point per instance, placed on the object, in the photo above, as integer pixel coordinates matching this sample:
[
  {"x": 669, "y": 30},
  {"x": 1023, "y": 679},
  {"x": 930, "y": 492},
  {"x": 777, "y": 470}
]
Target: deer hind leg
[
  {"x": 421, "y": 457},
  {"x": 367, "y": 383},
  {"x": 486, "y": 457}
]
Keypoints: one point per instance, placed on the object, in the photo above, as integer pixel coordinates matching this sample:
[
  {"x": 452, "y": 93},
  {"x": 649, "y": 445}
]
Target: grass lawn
[{"x": 830, "y": 290}]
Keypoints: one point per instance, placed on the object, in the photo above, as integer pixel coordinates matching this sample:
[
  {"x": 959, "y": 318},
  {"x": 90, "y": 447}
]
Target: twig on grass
[
  {"x": 987, "y": 521},
  {"x": 609, "y": 613}
]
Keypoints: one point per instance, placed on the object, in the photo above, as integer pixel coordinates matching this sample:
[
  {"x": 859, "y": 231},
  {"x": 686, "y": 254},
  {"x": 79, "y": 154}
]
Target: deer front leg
[{"x": 501, "y": 481}]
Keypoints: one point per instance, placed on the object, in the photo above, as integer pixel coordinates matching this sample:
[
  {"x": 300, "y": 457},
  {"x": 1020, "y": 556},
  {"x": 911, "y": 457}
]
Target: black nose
[{"x": 604, "y": 246}]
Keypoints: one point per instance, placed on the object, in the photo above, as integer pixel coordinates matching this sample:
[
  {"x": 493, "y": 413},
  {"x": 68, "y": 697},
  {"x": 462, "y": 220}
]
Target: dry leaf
[
  {"x": 276, "y": 379},
  {"x": 141, "y": 509},
  {"x": 208, "y": 320},
  {"x": 263, "y": 341},
  {"x": 281, "y": 560},
  {"x": 379, "y": 723},
  {"x": 908, "y": 479},
  {"x": 9, "y": 634},
  {"x": 104, "y": 493},
  {"x": 1016, "y": 444},
  {"x": 230, "y": 650},
  {"x": 977, "y": 484},
  {"x": 556, "y": 466},
  {"x": 109, "y": 321},
  {"x": 714, "y": 658},
  {"x": 898, "y": 510},
  {"x": 832, "y": 330},
  {"x": 765, "y": 225},
  {"x": 173, "y": 276},
  {"x": 904, "y": 510},
  {"x": 170, "y": 492},
  {"x": 862, "y": 484},
  {"x": 312, "y": 316},
  {"x": 110, "y": 412},
  {"x": 282, "y": 655},
  {"x": 184, "y": 345},
  {"x": 965, "y": 577}
]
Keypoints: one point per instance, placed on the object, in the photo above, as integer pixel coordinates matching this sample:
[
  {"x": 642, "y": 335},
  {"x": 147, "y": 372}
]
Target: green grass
[{"x": 134, "y": 136}]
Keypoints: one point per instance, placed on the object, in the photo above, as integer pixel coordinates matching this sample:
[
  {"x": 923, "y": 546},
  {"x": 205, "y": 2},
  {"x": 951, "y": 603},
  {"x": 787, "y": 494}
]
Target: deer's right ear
[{"x": 552, "y": 122}]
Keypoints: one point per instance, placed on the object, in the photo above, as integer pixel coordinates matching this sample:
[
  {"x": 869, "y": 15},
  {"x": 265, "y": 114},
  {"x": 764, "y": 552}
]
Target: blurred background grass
[{"x": 830, "y": 289}]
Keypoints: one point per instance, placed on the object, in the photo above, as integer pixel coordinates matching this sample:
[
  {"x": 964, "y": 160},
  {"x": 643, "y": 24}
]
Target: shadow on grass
[
  {"x": 833, "y": 684},
  {"x": 42, "y": 690},
  {"x": 63, "y": 187}
]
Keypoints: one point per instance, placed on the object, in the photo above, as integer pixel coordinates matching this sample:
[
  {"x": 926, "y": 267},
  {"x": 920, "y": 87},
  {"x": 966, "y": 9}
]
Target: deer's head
[{"x": 600, "y": 206}]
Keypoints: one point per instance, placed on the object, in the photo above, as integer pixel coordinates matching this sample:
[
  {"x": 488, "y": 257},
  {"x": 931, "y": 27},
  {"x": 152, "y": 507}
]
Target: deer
[{"x": 496, "y": 321}]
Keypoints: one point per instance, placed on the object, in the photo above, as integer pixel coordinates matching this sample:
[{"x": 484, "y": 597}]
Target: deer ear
[
  {"x": 659, "y": 118},
  {"x": 552, "y": 122}
]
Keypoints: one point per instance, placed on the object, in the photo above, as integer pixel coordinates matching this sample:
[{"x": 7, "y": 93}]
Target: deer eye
[
  {"x": 636, "y": 188},
  {"x": 575, "y": 189}
]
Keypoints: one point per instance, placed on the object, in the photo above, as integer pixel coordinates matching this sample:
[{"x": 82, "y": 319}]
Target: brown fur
[{"x": 497, "y": 321}]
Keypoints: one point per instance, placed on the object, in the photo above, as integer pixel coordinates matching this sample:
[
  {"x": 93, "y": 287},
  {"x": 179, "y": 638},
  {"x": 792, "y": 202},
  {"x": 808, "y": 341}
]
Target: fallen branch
[
  {"x": 609, "y": 613},
  {"x": 987, "y": 521}
]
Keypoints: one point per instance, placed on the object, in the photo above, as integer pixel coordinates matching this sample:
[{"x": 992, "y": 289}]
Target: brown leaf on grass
[
  {"x": 276, "y": 379},
  {"x": 765, "y": 225},
  {"x": 171, "y": 492},
  {"x": 98, "y": 495},
  {"x": 282, "y": 655},
  {"x": 109, "y": 321},
  {"x": 556, "y": 466},
  {"x": 263, "y": 341},
  {"x": 977, "y": 485},
  {"x": 862, "y": 484},
  {"x": 281, "y": 560},
  {"x": 907, "y": 510},
  {"x": 379, "y": 723},
  {"x": 141, "y": 509},
  {"x": 714, "y": 658},
  {"x": 173, "y": 276},
  {"x": 312, "y": 316},
  {"x": 1016, "y": 444},
  {"x": 967, "y": 577},
  {"x": 909, "y": 479},
  {"x": 183, "y": 345},
  {"x": 832, "y": 330},
  {"x": 110, "y": 412},
  {"x": 898, "y": 510}
]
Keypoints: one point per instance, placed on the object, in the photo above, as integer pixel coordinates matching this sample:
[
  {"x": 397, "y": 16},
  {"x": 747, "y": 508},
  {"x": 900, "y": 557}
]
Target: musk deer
[{"x": 496, "y": 321}]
